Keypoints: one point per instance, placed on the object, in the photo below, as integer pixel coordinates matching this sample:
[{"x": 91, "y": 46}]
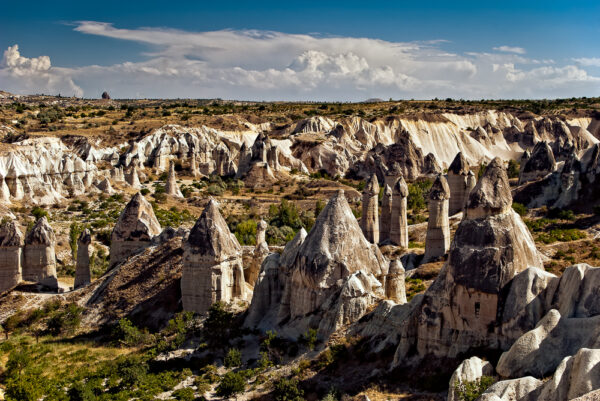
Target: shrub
[
  {"x": 519, "y": 208},
  {"x": 287, "y": 390},
  {"x": 125, "y": 333},
  {"x": 472, "y": 390},
  {"x": 215, "y": 190},
  {"x": 417, "y": 193},
  {"x": 233, "y": 359},
  {"x": 65, "y": 321},
  {"x": 74, "y": 231},
  {"x": 513, "y": 169},
  {"x": 564, "y": 214},
  {"x": 232, "y": 383},
  {"x": 245, "y": 232},
  {"x": 286, "y": 214},
  {"x": 39, "y": 212},
  {"x": 218, "y": 324},
  {"x": 309, "y": 338},
  {"x": 184, "y": 394}
]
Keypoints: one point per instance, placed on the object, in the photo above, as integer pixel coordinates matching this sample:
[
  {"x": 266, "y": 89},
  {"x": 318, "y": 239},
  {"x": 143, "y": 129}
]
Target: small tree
[
  {"x": 232, "y": 383},
  {"x": 233, "y": 359},
  {"x": 287, "y": 390},
  {"x": 472, "y": 390}
]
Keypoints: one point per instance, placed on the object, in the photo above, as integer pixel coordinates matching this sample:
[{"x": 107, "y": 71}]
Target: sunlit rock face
[
  {"x": 539, "y": 164},
  {"x": 11, "y": 243},
  {"x": 460, "y": 311},
  {"x": 370, "y": 210},
  {"x": 39, "y": 259},
  {"x": 399, "y": 223},
  {"x": 83, "y": 274},
  {"x": 212, "y": 263},
  {"x": 134, "y": 230}
]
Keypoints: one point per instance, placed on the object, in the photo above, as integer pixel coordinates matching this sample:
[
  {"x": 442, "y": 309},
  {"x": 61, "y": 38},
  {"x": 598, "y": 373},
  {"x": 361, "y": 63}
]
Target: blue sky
[{"x": 302, "y": 50}]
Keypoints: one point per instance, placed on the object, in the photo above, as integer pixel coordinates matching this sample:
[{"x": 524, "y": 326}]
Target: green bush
[
  {"x": 309, "y": 338},
  {"x": 218, "y": 324},
  {"x": 513, "y": 169},
  {"x": 39, "y": 212},
  {"x": 285, "y": 214},
  {"x": 231, "y": 383},
  {"x": 417, "y": 194},
  {"x": 245, "y": 232},
  {"x": 125, "y": 333},
  {"x": 215, "y": 190},
  {"x": 287, "y": 390},
  {"x": 233, "y": 359},
  {"x": 65, "y": 321},
  {"x": 472, "y": 390},
  {"x": 519, "y": 208},
  {"x": 184, "y": 394}
]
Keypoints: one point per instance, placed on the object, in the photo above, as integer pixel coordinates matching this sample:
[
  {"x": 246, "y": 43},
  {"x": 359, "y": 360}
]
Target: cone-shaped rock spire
[{"x": 370, "y": 210}]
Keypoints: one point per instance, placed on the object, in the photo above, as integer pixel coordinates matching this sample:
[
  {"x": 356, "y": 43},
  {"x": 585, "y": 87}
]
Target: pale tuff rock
[
  {"x": 134, "y": 230},
  {"x": 83, "y": 275},
  {"x": 261, "y": 232},
  {"x": 212, "y": 263},
  {"x": 540, "y": 164},
  {"x": 469, "y": 370},
  {"x": 491, "y": 195},
  {"x": 394, "y": 283},
  {"x": 522, "y": 389},
  {"x": 458, "y": 173},
  {"x": 117, "y": 174},
  {"x": 399, "y": 223},
  {"x": 133, "y": 179},
  {"x": 460, "y": 309},
  {"x": 437, "y": 242},
  {"x": 105, "y": 186},
  {"x": 575, "y": 378},
  {"x": 370, "y": 210},
  {"x": 286, "y": 261},
  {"x": 260, "y": 176},
  {"x": 11, "y": 242},
  {"x": 194, "y": 166},
  {"x": 326, "y": 270},
  {"x": 171, "y": 187},
  {"x": 386, "y": 214},
  {"x": 4, "y": 192},
  {"x": 39, "y": 260},
  {"x": 471, "y": 183},
  {"x": 392, "y": 175},
  {"x": 260, "y": 252},
  {"x": 431, "y": 165}
]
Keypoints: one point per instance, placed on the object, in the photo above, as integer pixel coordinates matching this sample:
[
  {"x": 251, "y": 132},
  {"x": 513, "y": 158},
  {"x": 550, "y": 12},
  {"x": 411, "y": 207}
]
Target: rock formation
[
  {"x": 194, "y": 166},
  {"x": 458, "y": 174},
  {"x": 11, "y": 242},
  {"x": 212, "y": 263},
  {"x": 431, "y": 165},
  {"x": 105, "y": 186},
  {"x": 105, "y": 95},
  {"x": 134, "y": 230},
  {"x": 39, "y": 260},
  {"x": 468, "y": 371},
  {"x": 133, "y": 179},
  {"x": 393, "y": 174},
  {"x": 539, "y": 164},
  {"x": 399, "y": 223},
  {"x": 171, "y": 187},
  {"x": 370, "y": 210},
  {"x": 437, "y": 242},
  {"x": 461, "y": 309},
  {"x": 83, "y": 274},
  {"x": 333, "y": 279},
  {"x": 385, "y": 220},
  {"x": 394, "y": 283},
  {"x": 260, "y": 252}
]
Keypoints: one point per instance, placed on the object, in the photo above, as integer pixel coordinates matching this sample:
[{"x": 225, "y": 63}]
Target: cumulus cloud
[
  {"x": 510, "y": 49},
  {"x": 267, "y": 65}
]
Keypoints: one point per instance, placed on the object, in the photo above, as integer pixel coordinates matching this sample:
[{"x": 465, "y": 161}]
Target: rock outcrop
[
  {"x": 83, "y": 273},
  {"x": 395, "y": 288},
  {"x": 259, "y": 253},
  {"x": 385, "y": 220},
  {"x": 437, "y": 242},
  {"x": 458, "y": 176},
  {"x": 333, "y": 278},
  {"x": 399, "y": 224},
  {"x": 171, "y": 187},
  {"x": 11, "y": 243},
  {"x": 468, "y": 371},
  {"x": 134, "y": 230},
  {"x": 105, "y": 186},
  {"x": 39, "y": 259},
  {"x": 539, "y": 164},
  {"x": 133, "y": 179},
  {"x": 212, "y": 263},
  {"x": 370, "y": 210}
]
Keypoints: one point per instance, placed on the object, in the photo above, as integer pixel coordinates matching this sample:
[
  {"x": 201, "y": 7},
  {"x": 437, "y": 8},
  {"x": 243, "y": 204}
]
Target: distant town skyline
[{"x": 309, "y": 50}]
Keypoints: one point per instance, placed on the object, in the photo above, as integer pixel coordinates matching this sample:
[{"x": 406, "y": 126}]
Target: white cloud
[
  {"x": 588, "y": 62},
  {"x": 510, "y": 49},
  {"x": 269, "y": 65}
]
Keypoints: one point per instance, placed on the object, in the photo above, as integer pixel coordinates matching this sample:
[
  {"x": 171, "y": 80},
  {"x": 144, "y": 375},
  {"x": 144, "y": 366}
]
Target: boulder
[{"x": 469, "y": 370}]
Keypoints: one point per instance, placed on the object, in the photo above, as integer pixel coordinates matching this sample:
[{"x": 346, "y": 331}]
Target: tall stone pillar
[
  {"x": 83, "y": 274},
  {"x": 437, "y": 242},
  {"x": 386, "y": 214},
  {"x": 394, "y": 283},
  {"x": 39, "y": 257},
  {"x": 11, "y": 243},
  {"x": 171, "y": 187},
  {"x": 370, "y": 211},
  {"x": 457, "y": 181},
  {"x": 399, "y": 224}
]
